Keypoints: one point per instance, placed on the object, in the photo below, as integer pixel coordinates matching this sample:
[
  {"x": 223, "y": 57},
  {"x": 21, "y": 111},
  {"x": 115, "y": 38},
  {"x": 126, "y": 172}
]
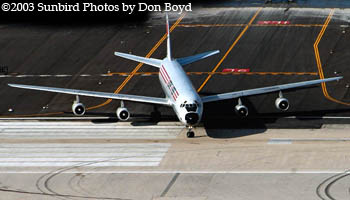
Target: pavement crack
[{"x": 170, "y": 184}]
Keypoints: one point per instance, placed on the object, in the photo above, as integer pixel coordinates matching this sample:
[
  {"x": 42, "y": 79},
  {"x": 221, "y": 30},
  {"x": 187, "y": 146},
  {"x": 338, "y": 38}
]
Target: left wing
[
  {"x": 231, "y": 95},
  {"x": 127, "y": 97},
  {"x": 149, "y": 61}
]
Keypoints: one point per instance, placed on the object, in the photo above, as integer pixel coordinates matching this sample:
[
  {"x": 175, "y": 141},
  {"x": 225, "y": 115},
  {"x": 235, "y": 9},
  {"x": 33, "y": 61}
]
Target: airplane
[{"x": 179, "y": 91}]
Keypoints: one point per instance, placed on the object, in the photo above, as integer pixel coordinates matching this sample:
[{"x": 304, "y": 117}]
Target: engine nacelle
[
  {"x": 241, "y": 110},
  {"x": 282, "y": 103},
  {"x": 123, "y": 114},
  {"x": 78, "y": 109}
]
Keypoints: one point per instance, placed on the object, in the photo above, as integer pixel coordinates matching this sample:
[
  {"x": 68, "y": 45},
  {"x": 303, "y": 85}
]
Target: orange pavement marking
[
  {"x": 229, "y": 50},
  {"x": 318, "y": 60}
]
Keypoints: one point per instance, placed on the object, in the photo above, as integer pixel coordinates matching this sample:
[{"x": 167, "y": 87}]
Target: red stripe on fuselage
[
  {"x": 166, "y": 78},
  {"x": 166, "y": 72},
  {"x": 176, "y": 92},
  {"x": 175, "y": 96},
  {"x": 167, "y": 81},
  {"x": 162, "y": 75}
]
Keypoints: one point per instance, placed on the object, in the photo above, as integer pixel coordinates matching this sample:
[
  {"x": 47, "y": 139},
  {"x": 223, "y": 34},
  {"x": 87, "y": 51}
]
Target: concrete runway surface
[{"x": 73, "y": 160}]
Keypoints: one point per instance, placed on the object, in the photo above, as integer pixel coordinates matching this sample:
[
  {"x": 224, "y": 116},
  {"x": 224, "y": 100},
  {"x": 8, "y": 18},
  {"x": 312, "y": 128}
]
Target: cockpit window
[{"x": 191, "y": 107}]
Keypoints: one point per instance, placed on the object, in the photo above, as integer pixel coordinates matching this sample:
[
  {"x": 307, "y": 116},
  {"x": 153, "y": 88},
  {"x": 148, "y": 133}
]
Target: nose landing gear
[{"x": 190, "y": 133}]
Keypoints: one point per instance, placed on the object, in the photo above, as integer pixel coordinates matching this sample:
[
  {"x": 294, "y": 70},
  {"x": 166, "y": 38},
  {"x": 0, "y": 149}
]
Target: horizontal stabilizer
[
  {"x": 148, "y": 61},
  {"x": 191, "y": 59}
]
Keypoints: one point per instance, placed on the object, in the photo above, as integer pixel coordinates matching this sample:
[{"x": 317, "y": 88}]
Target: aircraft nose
[{"x": 191, "y": 118}]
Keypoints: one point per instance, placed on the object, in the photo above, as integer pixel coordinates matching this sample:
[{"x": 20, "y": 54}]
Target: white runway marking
[
  {"x": 180, "y": 172},
  {"x": 62, "y": 75},
  {"x": 55, "y": 118},
  {"x": 290, "y": 140},
  {"x": 90, "y": 155},
  {"x": 51, "y": 75},
  {"x": 79, "y": 130},
  {"x": 82, "y": 154},
  {"x": 317, "y": 117},
  {"x": 21, "y": 76},
  {"x": 279, "y": 141}
]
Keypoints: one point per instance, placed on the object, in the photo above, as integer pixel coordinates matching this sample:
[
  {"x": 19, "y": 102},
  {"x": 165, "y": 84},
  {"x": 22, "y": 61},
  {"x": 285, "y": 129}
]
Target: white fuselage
[{"x": 179, "y": 90}]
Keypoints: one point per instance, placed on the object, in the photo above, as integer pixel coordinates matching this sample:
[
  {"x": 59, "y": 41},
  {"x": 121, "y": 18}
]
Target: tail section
[
  {"x": 150, "y": 61},
  {"x": 168, "y": 38},
  {"x": 157, "y": 63}
]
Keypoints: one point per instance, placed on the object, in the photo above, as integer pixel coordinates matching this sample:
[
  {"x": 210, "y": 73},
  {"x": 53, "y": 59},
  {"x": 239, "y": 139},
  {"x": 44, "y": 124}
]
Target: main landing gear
[{"x": 190, "y": 133}]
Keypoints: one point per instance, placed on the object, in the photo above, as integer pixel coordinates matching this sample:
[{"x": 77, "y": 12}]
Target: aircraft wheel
[{"x": 190, "y": 134}]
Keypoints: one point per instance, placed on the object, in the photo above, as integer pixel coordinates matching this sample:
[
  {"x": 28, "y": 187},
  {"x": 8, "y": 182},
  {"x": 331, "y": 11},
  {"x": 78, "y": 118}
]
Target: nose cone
[{"x": 191, "y": 118}]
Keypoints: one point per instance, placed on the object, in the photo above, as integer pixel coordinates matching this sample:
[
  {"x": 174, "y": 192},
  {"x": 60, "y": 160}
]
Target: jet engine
[
  {"x": 282, "y": 103},
  {"x": 123, "y": 114},
  {"x": 78, "y": 109},
  {"x": 241, "y": 110}
]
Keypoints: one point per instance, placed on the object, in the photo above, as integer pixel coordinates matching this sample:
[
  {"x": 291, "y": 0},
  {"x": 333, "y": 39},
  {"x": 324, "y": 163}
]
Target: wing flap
[
  {"x": 127, "y": 97},
  {"x": 264, "y": 90}
]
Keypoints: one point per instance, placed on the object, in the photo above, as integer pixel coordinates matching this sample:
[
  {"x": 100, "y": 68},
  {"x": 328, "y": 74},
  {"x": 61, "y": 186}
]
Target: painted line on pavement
[{"x": 181, "y": 172}]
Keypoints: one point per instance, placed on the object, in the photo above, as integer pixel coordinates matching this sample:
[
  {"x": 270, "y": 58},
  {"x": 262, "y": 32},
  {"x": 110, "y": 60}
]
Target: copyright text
[{"x": 93, "y": 7}]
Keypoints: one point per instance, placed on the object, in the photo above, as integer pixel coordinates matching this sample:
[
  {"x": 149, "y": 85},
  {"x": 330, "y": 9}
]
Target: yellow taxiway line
[
  {"x": 319, "y": 63},
  {"x": 229, "y": 50}
]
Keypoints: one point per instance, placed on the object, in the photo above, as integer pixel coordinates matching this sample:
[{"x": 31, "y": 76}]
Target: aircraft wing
[
  {"x": 191, "y": 59},
  {"x": 127, "y": 97},
  {"x": 149, "y": 61},
  {"x": 264, "y": 90}
]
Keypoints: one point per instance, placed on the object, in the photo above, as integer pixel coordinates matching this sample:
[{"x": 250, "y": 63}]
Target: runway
[
  {"x": 86, "y": 130},
  {"x": 184, "y": 186},
  {"x": 217, "y": 164}
]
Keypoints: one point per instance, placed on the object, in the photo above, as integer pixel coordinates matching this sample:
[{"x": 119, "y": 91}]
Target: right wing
[
  {"x": 264, "y": 90},
  {"x": 191, "y": 59},
  {"x": 127, "y": 97},
  {"x": 149, "y": 61}
]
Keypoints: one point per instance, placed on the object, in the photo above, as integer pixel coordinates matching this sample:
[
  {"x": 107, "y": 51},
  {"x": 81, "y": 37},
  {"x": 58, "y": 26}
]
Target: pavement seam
[{"x": 170, "y": 184}]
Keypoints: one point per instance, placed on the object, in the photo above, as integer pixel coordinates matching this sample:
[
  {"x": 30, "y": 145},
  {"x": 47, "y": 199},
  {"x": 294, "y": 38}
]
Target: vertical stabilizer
[{"x": 168, "y": 38}]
